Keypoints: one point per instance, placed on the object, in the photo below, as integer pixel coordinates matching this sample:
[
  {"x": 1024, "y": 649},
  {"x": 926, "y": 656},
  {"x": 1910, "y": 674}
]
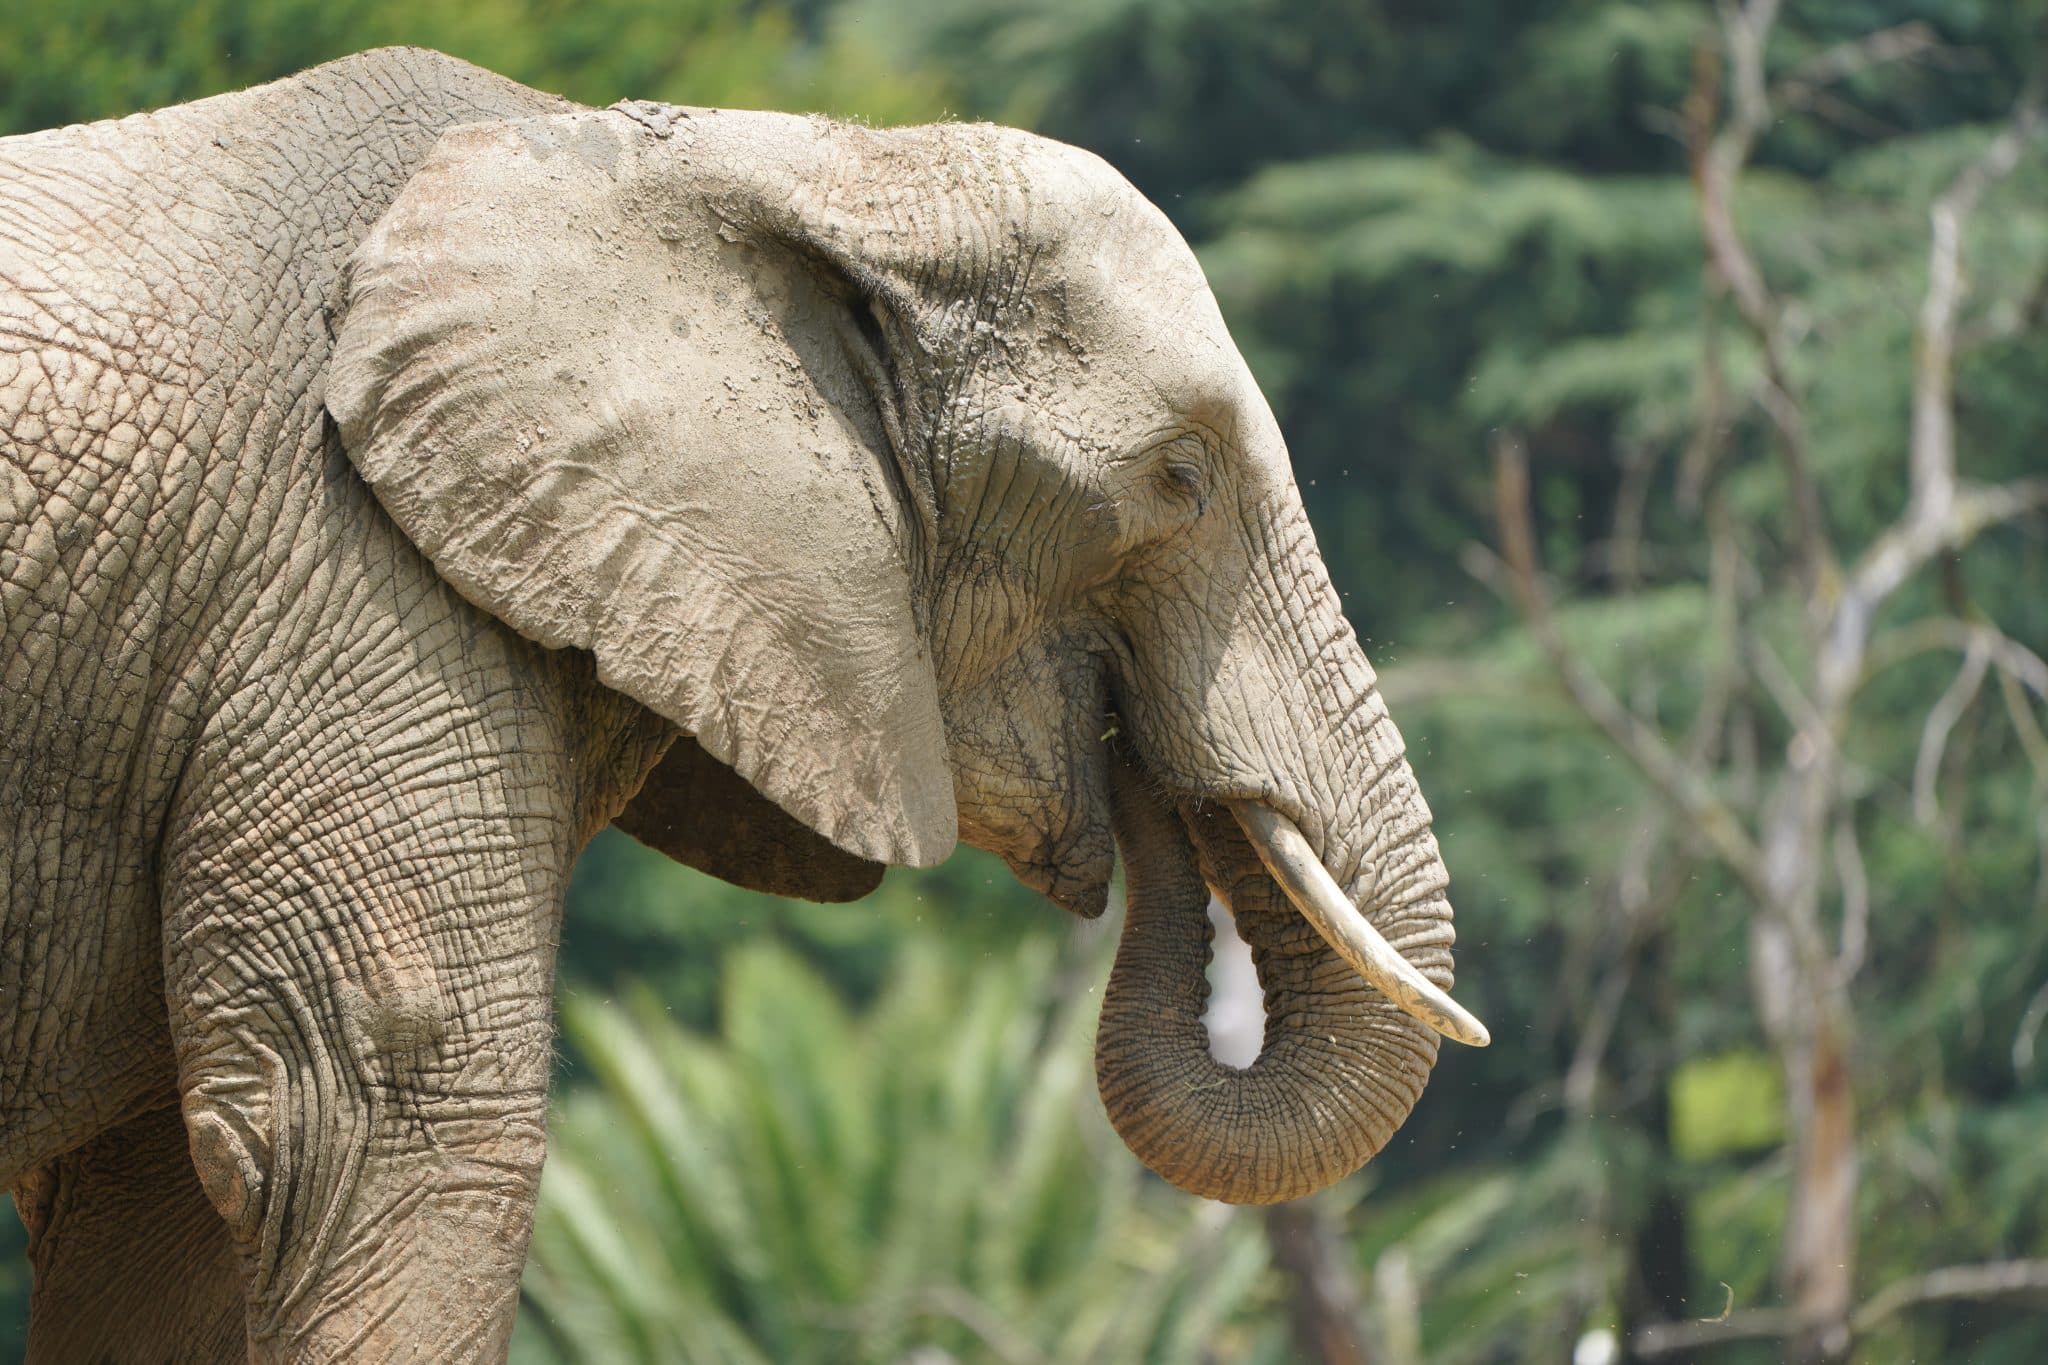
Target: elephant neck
[
  {"x": 337, "y": 142},
  {"x": 188, "y": 260}
]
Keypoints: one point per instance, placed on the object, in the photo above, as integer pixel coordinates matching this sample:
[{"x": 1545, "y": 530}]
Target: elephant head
[{"x": 914, "y": 475}]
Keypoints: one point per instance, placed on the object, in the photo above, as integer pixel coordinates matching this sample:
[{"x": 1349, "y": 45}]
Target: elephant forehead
[
  {"x": 1156, "y": 360},
  {"x": 1135, "y": 304}
]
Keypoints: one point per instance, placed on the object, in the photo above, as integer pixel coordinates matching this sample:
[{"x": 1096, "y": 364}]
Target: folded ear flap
[
  {"x": 620, "y": 415},
  {"x": 700, "y": 812}
]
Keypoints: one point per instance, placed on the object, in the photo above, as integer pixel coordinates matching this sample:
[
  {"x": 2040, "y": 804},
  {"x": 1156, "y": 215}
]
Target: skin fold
[{"x": 404, "y": 473}]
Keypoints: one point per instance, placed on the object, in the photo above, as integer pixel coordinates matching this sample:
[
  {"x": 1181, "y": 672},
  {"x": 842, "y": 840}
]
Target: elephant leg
[
  {"x": 364, "y": 1072},
  {"x": 132, "y": 1264},
  {"x": 361, "y": 909}
]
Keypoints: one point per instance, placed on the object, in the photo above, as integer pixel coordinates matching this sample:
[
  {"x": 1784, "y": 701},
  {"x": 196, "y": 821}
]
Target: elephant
[{"x": 408, "y": 473}]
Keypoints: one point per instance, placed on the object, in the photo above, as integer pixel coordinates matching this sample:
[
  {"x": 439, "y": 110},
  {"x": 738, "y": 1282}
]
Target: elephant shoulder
[{"x": 410, "y": 85}]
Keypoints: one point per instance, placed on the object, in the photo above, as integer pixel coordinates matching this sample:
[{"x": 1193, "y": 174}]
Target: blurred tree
[
  {"x": 1774, "y": 510},
  {"x": 68, "y": 62}
]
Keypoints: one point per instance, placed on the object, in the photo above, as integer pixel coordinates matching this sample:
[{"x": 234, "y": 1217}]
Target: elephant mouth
[
  {"x": 1288, "y": 868},
  {"x": 1297, "y": 870}
]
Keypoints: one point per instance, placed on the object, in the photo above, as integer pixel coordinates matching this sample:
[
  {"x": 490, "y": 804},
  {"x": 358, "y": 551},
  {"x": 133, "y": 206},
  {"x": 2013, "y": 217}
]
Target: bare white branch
[
  {"x": 1855, "y": 880},
  {"x": 1683, "y": 786},
  {"x": 1717, "y": 161},
  {"x": 2035, "y": 745},
  {"x": 1994, "y": 1280},
  {"x": 2024, "y": 1036},
  {"x": 1940, "y": 514},
  {"x": 1685, "y": 1339},
  {"x": 1941, "y": 722},
  {"x": 1799, "y": 86},
  {"x": 2013, "y": 659}
]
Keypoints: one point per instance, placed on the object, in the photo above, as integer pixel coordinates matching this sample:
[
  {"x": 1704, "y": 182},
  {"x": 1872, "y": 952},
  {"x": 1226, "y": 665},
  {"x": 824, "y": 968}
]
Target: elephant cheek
[
  {"x": 1073, "y": 875},
  {"x": 1031, "y": 779},
  {"x": 1056, "y": 842}
]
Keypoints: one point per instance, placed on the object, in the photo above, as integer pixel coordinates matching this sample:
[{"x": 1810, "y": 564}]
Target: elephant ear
[
  {"x": 700, "y": 812},
  {"x": 600, "y": 374}
]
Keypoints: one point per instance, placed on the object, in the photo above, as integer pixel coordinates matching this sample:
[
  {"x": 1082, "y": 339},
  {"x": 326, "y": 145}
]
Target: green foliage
[
  {"x": 1726, "y": 1105},
  {"x": 819, "y": 1185},
  {"x": 72, "y": 62},
  {"x": 635, "y": 917}
]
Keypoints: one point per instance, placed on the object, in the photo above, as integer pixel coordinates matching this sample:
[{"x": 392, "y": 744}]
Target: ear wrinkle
[
  {"x": 865, "y": 322},
  {"x": 871, "y": 306},
  {"x": 864, "y": 310}
]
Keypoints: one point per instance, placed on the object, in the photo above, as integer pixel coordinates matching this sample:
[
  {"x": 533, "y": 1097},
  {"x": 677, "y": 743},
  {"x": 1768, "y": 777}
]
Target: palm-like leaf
[{"x": 912, "y": 1183}]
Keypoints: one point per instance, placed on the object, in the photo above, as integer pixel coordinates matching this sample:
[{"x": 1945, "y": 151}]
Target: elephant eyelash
[
  {"x": 1186, "y": 480},
  {"x": 1185, "y": 476},
  {"x": 1182, "y": 465}
]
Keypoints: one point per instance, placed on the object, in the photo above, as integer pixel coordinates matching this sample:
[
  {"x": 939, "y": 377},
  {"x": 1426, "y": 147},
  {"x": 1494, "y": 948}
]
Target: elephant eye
[{"x": 1184, "y": 476}]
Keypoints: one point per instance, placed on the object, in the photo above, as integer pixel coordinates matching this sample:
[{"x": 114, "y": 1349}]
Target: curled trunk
[{"x": 1341, "y": 1066}]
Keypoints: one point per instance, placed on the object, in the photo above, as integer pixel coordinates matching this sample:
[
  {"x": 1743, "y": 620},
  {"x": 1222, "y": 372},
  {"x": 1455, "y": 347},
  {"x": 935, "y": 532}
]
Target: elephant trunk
[
  {"x": 1313, "y": 832},
  {"x": 1341, "y": 1066}
]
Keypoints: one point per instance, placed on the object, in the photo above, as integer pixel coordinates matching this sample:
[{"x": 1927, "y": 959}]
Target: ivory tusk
[{"x": 1322, "y": 902}]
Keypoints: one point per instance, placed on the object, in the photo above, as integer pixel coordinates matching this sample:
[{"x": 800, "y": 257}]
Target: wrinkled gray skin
[{"x": 384, "y": 509}]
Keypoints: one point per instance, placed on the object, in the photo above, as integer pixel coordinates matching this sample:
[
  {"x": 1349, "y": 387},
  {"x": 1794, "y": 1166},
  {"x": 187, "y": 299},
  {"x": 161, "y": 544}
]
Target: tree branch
[
  {"x": 1934, "y": 451},
  {"x": 1941, "y": 721},
  {"x": 1686, "y": 1338},
  {"x": 1681, "y": 785},
  {"x": 1854, "y": 940},
  {"x": 2012, "y": 658},
  {"x": 1995, "y": 1280},
  {"x": 1322, "y": 1304},
  {"x": 1940, "y": 514},
  {"x": 1717, "y": 160},
  {"x": 1798, "y": 87}
]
